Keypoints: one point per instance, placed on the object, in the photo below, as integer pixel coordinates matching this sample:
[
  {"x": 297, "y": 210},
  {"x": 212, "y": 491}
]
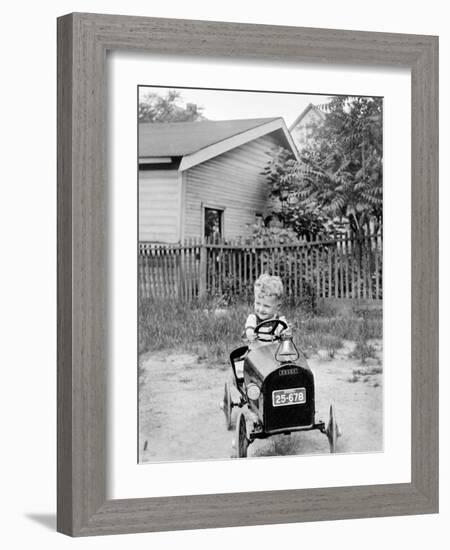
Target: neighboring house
[
  {"x": 203, "y": 179},
  {"x": 305, "y": 124}
]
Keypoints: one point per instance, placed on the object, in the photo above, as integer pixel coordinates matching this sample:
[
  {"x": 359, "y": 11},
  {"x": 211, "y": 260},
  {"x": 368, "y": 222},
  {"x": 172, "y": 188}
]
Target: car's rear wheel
[
  {"x": 332, "y": 430},
  {"x": 227, "y": 405},
  {"x": 242, "y": 442}
]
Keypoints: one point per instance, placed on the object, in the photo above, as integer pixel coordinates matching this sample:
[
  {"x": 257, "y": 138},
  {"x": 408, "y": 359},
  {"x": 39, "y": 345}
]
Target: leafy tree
[
  {"x": 339, "y": 175},
  {"x": 169, "y": 108}
]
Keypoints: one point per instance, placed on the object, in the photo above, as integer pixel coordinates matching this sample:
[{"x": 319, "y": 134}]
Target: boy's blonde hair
[{"x": 269, "y": 285}]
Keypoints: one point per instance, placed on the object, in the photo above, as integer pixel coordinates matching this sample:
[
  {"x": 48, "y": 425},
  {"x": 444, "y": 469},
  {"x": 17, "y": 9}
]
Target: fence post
[{"x": 202, "y": 271}]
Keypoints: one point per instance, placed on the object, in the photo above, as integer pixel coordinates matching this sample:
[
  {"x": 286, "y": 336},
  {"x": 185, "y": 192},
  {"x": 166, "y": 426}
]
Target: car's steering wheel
[{"x": 275, "y": 323}]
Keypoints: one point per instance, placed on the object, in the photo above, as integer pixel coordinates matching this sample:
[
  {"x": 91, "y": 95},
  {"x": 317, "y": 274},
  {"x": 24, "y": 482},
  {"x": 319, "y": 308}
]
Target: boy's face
[{"x": 266, "y": 306}]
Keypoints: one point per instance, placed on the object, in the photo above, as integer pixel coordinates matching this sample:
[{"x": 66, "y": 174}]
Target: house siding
[
  {"x": 303, "y": 131},
  {"x": 232, "y": 181},
  {"x": 159, "y": 205}
]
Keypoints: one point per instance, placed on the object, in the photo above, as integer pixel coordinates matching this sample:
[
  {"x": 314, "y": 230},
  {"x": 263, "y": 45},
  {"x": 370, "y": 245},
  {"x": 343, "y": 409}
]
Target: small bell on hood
[{"x": 286, "y": 350}]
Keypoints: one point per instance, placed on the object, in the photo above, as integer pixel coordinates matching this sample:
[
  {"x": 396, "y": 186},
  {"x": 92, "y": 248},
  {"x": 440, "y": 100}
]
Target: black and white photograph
[
  {"x": 260, "y": 274},
  {"x": 221, "y": 286}
]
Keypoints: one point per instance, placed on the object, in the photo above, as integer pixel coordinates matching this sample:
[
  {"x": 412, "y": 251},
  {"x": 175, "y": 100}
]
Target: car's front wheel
[
  {"x": 332, "y": 430},
  {"x": 242, "y": 441}
]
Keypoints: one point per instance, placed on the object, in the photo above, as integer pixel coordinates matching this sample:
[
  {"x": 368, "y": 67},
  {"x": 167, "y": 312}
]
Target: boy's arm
[
  {"x": 280, "y": 330},
  {"x": 250, "y": 326}
]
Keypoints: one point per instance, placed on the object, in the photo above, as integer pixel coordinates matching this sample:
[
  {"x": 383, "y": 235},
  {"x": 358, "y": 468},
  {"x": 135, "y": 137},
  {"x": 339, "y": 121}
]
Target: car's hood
[{"x": 261, "y": 357}]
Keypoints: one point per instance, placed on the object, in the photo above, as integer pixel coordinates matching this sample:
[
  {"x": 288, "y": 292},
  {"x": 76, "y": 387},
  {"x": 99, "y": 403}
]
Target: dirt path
[{"x": 180, "y": 417}]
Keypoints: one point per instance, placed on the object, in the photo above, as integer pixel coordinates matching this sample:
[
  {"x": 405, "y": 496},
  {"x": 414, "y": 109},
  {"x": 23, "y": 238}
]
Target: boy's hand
[{"x": 250, "y": 334}]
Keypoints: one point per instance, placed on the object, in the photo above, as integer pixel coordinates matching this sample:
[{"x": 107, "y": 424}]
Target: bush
[{"x": 370, "y": 327}]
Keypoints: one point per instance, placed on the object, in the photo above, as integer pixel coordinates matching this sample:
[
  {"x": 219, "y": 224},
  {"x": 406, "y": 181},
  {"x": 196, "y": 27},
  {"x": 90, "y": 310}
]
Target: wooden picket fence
[{"x": 343, "y": 267}]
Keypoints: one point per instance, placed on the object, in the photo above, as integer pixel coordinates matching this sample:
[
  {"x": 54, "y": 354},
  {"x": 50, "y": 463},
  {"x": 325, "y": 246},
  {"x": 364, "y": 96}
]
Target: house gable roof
[
  {"x": 198, "y": 141},
  {"x": 305, "y": 111}
]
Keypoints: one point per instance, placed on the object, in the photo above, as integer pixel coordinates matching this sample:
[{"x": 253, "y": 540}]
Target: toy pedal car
[{"x": 275, "y": 391}]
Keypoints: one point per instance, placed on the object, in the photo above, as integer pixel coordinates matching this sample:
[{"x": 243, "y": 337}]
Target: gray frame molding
[{"x": 83, "y": 40}]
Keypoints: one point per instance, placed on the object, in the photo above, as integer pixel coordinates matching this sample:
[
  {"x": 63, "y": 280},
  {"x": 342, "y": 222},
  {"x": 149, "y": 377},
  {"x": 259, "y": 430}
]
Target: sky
[{"x": 233, "y": 105}]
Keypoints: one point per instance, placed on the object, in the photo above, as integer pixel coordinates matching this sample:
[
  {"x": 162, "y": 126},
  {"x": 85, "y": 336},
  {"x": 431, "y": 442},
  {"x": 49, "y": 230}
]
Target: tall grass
[
  {"x": 171, "y": 324},
  {"x": 364, "y": 349},
  {"x": 212, "y": 332}
]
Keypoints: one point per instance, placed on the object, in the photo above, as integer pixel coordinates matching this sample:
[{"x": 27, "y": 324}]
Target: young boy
[{"x": 268, "y": 293}]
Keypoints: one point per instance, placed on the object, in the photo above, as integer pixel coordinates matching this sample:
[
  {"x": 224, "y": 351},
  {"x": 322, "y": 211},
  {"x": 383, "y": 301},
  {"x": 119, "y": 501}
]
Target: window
[{"x": 213, "y": 223}]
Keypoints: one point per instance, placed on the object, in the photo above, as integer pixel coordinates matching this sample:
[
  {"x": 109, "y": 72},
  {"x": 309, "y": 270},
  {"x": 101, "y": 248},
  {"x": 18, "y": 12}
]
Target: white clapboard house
[
  {"x": 203, "y": 179},
  {"x": 305, "y": 125}
]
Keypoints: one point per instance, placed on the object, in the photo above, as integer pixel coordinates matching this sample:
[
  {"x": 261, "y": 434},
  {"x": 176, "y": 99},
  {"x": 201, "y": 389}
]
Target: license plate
[{"x": 292, "y": 396}]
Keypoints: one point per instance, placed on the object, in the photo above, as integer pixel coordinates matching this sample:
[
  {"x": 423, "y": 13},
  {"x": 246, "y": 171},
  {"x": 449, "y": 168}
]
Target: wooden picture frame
[{"x": 83, "y": 41}]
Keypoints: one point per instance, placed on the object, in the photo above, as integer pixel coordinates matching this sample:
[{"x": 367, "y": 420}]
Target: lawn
[{"x": 212, "y": 332}]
